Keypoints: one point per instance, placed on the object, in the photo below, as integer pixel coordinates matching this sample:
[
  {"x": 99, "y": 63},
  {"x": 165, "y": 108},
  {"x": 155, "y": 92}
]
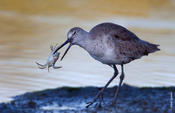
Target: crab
[{"x": 53, "y": 57}]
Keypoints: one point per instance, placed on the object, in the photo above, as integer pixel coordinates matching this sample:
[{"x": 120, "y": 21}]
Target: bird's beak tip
[
  {"x": 66, "y": 51},
  {"x": 67, "y": 41}
]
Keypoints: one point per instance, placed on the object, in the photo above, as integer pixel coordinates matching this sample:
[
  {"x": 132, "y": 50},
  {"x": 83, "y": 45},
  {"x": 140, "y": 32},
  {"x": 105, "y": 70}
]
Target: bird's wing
[
  {"x": 129, "y": 44},
  {"x": 111, "y": 29},
  {"x": 126, "y": 42},
  {"x": 124, "y": 35}
]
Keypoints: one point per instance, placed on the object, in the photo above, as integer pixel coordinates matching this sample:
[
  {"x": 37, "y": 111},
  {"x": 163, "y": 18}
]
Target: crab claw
[
  {"x": 40, "y": 65},
  {"x": 57, "y": 67}
]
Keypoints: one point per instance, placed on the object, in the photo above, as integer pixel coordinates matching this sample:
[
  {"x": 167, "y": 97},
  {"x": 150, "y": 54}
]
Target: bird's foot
[
  {"x": 113, "y": 103},
  {"x": 99, "y": 104}
]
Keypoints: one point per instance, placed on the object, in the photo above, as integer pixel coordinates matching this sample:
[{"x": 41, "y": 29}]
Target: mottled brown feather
[{"x": 129, "y": 45}]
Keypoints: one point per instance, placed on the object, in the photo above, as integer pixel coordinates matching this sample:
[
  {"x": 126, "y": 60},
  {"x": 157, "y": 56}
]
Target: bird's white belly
[
  {"x": 103, "y": 51},
  {"x": 107, "y": 58}
]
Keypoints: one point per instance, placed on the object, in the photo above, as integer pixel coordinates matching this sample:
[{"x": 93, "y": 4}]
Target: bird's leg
[
  {"x": 101, "y": 100},
  {"x": 120, "y": 83},
  {"x": 101, "y": 91}
]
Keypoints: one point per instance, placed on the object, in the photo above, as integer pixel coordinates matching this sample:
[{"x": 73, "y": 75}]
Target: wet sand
[{"x": 73, "y": 100}]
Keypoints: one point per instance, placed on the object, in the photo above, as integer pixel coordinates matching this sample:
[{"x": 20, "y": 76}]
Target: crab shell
[{"x": 53, "y": 58}]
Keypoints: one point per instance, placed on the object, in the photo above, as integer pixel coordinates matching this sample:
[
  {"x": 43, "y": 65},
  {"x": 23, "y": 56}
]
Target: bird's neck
[{"x": 86, "y": 42}]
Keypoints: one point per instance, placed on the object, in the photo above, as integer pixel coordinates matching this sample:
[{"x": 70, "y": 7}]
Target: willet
[{"x": 110, "y": 44}]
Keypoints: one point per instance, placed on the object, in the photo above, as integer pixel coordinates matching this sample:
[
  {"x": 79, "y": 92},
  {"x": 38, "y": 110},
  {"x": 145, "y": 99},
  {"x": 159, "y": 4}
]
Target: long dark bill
[
  {"x": 66, "y": 51},
  {"x": 67, "y": 41}
]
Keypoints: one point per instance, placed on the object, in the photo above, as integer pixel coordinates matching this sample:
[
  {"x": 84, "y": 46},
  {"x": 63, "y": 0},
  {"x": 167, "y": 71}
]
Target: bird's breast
[{"x": 103, "y": 50}]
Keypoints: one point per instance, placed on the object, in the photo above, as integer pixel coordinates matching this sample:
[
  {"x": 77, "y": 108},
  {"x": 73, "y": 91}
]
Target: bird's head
[{"x": 74, "y": 36}]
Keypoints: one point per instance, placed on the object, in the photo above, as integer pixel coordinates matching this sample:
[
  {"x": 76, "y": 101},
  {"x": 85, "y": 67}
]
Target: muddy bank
[{"x": 73, "y": 100}]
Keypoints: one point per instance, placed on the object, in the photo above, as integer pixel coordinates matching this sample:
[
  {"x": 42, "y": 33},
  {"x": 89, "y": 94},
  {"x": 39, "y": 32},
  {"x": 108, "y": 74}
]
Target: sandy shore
[{"x": 73, "y": 100}]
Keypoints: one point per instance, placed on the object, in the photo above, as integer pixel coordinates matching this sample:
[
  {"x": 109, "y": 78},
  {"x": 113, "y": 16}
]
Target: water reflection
[{"x": 25, "y": 37}]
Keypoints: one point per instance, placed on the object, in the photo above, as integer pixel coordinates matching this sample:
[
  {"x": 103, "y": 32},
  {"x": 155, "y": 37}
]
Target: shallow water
[{"x": 27, "y": 31}]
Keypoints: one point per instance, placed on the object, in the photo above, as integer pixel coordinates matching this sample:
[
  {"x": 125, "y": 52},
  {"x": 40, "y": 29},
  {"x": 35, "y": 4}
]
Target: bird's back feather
[{"x": 128, "y": 45}]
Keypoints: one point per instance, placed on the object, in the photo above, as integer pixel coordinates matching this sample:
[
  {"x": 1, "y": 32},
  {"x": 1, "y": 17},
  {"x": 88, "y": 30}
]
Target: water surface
[{"x": 27, "y": 29}]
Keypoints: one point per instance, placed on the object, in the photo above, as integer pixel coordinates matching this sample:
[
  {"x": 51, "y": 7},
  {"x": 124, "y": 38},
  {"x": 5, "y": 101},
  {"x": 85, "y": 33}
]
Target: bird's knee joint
[
  {"x": 122, "y": 77},
  {"x": 116, "y": 73}
]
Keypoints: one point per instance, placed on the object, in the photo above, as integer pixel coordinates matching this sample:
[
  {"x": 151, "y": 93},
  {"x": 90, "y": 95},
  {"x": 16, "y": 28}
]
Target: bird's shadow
[{"x": 69, "y": 99}]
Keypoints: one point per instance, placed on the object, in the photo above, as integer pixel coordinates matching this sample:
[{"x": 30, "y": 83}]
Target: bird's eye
[{"x": 74, "y": 33}]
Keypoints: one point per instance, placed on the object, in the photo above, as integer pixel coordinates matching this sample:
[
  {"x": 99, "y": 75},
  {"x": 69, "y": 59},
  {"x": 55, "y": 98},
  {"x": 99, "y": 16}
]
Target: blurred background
[{"x": 29, "y": 27}]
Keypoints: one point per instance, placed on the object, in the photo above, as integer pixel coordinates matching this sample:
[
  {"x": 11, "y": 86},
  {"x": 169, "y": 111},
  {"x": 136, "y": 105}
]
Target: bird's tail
[
  {"x": 154, "y": 48},
  {"x": 149, "y": 47}
]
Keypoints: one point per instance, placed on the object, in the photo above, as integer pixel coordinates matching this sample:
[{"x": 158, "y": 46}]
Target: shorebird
[{"x": 111, "y": 44}]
